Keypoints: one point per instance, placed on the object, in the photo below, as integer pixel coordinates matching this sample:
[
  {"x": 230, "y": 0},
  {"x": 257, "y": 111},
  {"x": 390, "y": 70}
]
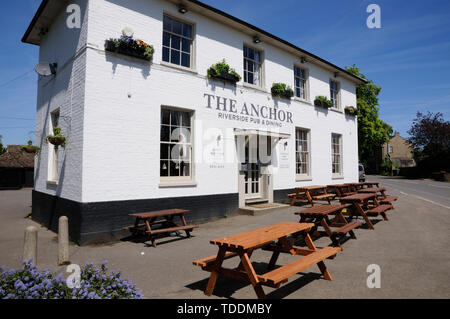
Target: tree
[
  {"x": 372, "y": 131},
  {"x": 430, "y": 138},
  {"x": 2, "y": 149}
]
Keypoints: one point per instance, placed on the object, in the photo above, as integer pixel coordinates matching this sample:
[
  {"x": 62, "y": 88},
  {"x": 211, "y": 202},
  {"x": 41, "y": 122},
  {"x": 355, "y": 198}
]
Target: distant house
[
  {"x": 399, "y": 151},
  {"x": 16, "y": 168}
]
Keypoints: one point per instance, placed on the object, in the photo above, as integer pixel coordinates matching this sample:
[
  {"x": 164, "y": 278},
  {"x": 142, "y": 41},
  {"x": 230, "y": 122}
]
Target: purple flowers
[{"x": 29, "y": 283}]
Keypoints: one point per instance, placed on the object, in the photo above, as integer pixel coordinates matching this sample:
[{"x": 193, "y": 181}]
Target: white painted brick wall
[{"x": 116, "y": 145}]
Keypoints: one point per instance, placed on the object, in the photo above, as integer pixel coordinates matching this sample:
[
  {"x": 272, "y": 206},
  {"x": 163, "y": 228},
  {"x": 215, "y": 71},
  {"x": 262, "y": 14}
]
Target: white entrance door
[{"x": 252, "y": 176}]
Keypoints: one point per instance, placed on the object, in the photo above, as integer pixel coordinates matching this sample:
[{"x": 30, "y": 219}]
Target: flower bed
[
  {"x": 95, "y": 283},
  {"x": 128, "y": 46}
]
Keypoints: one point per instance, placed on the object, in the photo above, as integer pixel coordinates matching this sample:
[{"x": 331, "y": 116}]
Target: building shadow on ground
[{"x": 225, "y": 287}]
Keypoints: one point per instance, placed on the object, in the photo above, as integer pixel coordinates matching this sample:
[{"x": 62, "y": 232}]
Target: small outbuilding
[{"x": 16, "y": 168}]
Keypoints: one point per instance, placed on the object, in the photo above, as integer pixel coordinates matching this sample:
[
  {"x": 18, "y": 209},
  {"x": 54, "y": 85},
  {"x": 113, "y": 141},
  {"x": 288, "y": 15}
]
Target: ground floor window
[
  {"x": 336, "y": 154},
  {"x": 175, "y": 144},
  {"x": 302, "y": 153},
  {"x": 53, "y": 173}
]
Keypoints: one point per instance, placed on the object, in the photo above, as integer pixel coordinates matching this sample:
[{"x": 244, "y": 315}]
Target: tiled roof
[{"x": 16, "y": 158}]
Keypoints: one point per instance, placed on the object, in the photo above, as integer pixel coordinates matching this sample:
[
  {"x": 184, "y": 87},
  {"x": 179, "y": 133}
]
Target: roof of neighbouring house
[
  {"x": 50, "y": 8},
  {"x": 16, "y": 158}
]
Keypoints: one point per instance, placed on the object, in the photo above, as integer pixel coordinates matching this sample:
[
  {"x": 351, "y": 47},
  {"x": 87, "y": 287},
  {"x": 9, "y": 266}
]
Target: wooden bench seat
[
  {"x": 133, "y": 226},
  {"x": 281, "y": 274},
  {"x": 205, "y": 262},
  {"x": 388, "y": 199},
  {"x": 347, "y": 227},
  {"x": 323, "y": 196},
  {"x": 171, "y": 229},
  {"x": 379, "y": 209}
]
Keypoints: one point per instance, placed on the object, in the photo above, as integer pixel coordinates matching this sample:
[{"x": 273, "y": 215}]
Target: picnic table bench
[
  {"x": 311, "y": 193},
  {"x": 342, "y": 190},
  {"x": 382, "y": 197},
  {"x": 370, "y": 184},
  {"x": 319, "y": 216},
  {"x": 361, "y": 206},
  {"x": 244, "y": 244},
  {"x": 165, "y": 218}
]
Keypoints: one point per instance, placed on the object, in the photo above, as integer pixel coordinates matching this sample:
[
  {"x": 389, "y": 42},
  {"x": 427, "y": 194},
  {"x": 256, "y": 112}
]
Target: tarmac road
[
  {"x": 437, "y": 193},
  {"x": 411, "y": 249}
]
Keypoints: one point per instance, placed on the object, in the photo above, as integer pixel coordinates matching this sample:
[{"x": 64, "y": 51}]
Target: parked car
[{"x": 362, "y": 173}]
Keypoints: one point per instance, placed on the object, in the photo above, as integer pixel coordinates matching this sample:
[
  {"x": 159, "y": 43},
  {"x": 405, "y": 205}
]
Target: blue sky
[{"x": 409, "y": 57}]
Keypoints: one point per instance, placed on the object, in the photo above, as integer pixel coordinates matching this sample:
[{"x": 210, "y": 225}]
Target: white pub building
[{"x": 149, "y": 134}]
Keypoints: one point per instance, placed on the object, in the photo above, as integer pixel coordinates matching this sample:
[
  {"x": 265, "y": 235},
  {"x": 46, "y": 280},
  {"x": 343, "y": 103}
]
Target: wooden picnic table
[
  {"x": 319, "y": 216},
  {"x": 244, "y": 244},
  {"x": 382, "y": 197},
  {"x": 362, "y": 207},
  {"x": 356, "y": 186},
  {"x": 165, "y": 218},
  {"x": 311, "y": 193},
  {"x": 342, "y": 190},
  {"x": 370, "y": 184}
]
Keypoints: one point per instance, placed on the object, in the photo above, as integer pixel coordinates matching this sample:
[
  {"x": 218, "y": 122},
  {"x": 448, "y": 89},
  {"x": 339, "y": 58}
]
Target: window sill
[
  {"x": 299, "y": 178},
  {"x": 49, "y": 182},
  {"x": 302, "y": 100},
  {"x": 178, "y": 67},
  {"x": 336, "y": 110},
  {"x": 337, "y": 177},
  {"x": 177, "y": 184},
  {"x": 255, "y": 87}
]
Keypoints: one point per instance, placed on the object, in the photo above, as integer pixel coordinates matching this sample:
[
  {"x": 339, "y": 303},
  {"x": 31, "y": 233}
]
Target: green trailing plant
[
  {"x": 223, "y": 71},
  {"x": 281, "y": 90},
  {"x": 30, "y": 148},
  {"x": 57, "y": 138},
  {"x": 129, "y": 46},
  {"x": 351, "y": 110},
  {"x": 323, "y": 101}
]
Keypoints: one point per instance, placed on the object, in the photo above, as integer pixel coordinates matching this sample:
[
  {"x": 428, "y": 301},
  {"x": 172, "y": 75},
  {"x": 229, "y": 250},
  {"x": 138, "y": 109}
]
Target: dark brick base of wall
[
  {"x": 280, "y": 195},
  {"x": 103, "y": 221}
]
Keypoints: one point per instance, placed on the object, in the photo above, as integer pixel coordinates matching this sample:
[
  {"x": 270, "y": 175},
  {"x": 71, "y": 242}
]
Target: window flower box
[
  {"x": 351, "y": 110},
  {"x": 57, "y": 138},
  {"x": 281, "y": 90},
  {"x": 222, "y": 71},
  {"x": 128, "y": 46},
  {"x": 323, "y": 101}
]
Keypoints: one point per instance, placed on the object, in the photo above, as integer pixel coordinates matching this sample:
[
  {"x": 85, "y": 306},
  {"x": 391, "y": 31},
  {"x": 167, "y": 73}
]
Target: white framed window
[
  {"x": 178, "y": 41},
  {"x": 53, "y": 157},
  {"x": 334, "y": 94},
  {"x": 391, "y": 149},
  {"x": 336, "y": 154},
  {"x": 252, "y": 66},
  {"x": 175, "y": 145},
  {"x": 302, "y": 152},
  {"x": 300, "y": 83}
]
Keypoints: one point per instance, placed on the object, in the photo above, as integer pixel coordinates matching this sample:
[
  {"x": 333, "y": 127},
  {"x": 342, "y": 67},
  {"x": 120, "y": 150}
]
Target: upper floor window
[
  {"x": 177, "y": 42},
  {"x": 300, "y": 82},
  {"x": 252, "y": 66},
  {"x": 334, "y": 93}
]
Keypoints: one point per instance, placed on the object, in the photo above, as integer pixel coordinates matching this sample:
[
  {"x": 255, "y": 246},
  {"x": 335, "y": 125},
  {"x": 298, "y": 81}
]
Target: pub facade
[{"x": 163, "y": 133}]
